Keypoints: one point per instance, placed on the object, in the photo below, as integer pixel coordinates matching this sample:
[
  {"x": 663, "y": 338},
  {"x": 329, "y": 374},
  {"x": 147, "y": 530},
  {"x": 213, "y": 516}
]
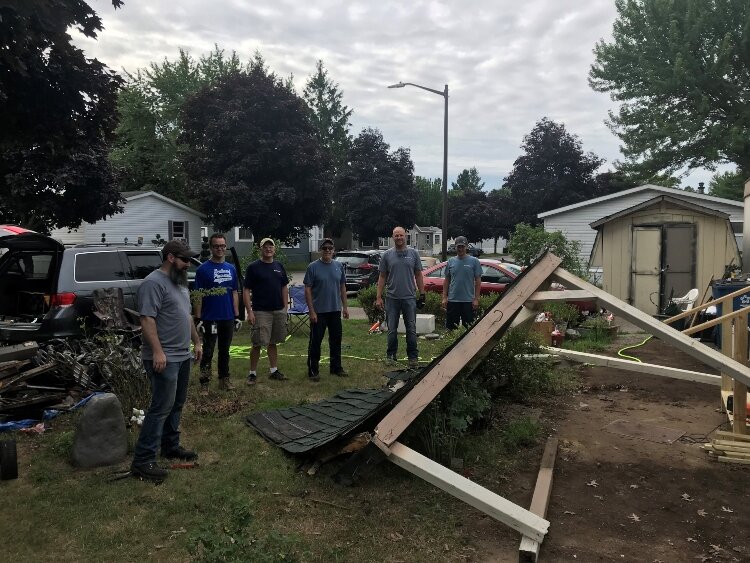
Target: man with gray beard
[{"x": 167, "y": 324}]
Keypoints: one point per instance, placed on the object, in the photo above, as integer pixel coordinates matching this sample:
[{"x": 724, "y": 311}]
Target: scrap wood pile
[
  {"x": 729, "y": 447},
  {"x": 57, "y": 373}
]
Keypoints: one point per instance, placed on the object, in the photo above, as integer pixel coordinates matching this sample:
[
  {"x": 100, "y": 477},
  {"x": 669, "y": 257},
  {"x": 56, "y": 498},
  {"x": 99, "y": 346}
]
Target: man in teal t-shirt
[
  {"x": 463, "y": 280},
  {"x": 325, "y": 293}
]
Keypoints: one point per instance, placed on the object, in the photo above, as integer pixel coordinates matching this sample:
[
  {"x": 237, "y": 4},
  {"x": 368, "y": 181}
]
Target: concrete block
[{"x": 425, "y": 324}]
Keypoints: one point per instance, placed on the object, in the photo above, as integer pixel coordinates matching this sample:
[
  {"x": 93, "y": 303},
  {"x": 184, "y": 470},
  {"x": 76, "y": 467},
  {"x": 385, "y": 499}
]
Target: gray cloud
[{"x": 507, "y": 64}]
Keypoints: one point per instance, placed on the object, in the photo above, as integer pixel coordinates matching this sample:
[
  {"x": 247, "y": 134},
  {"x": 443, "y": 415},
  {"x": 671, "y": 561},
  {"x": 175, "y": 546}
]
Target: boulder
[{"x": 100, "y": 438}]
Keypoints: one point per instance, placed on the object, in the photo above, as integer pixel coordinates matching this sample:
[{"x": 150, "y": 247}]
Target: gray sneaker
[{"x": 278, "y": 376}]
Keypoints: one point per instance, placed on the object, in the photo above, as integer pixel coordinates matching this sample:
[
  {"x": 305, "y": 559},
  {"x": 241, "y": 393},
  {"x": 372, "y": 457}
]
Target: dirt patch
[{"x": 616, "y": 498}]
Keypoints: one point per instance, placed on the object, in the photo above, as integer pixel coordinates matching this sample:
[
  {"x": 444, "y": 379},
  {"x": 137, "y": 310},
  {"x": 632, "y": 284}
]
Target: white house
[
  {"x": 574, "y": 221},
  {"x": 145, "y": 215}
]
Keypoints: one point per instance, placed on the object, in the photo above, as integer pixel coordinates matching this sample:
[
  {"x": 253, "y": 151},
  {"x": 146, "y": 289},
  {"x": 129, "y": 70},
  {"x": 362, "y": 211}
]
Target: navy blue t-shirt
[
  {"x": 265, "y": 280},
  {"x": 217, "y": 274}
]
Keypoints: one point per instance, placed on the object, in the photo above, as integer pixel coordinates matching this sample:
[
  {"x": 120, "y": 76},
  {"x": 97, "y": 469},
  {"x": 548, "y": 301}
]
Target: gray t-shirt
[
  {"x": 159, "y": 297},
  {"x": 325, "y": 281},
  {"x": 400, "y": 266},
  {"x": 463, "y": 273}
]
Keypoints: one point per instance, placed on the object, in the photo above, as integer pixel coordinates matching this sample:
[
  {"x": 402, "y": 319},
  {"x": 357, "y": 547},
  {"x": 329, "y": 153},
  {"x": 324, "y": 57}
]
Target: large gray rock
[{"x": 100, "y": 438}]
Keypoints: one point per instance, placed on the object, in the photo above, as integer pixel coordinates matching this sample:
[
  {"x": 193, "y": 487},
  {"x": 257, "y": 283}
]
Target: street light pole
[{"x": 444, "y": 94}]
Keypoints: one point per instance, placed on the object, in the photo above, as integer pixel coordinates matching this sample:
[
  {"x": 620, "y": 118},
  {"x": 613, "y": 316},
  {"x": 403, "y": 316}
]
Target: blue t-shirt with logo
[
  {"x": 265, "y": 280},
  {"x": 463, "y": 273},
  {"x": 325, "y": 281},
  {"x": 217, "y": 274}
]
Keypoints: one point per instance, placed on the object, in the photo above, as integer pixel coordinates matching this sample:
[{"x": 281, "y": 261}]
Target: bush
[
  {"x": 527, "y": 243},
  {"x": 563, "y": 312},
  {"x": 366, "y": 298}
]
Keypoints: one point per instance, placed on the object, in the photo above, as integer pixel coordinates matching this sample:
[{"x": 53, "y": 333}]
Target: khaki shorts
[{"x": 269, "y": 328}]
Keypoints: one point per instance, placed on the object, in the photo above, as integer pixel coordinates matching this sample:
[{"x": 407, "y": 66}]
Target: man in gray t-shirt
[
  {"x": 164, "y": 307},
  {"x": 401, "y": 272}
]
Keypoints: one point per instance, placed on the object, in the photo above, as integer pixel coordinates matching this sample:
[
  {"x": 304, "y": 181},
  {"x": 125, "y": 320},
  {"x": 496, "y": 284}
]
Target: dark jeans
[
  {"x": 224, "y": 334},
  {"x": 407, "y": 308},
  {"x": 458, "y": 311},
  {"x": 331, "y": 321},
  {"x": 161, "y": 426}
]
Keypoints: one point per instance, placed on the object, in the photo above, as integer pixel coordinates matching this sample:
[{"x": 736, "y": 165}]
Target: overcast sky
[{"x": 507, "y": 64}]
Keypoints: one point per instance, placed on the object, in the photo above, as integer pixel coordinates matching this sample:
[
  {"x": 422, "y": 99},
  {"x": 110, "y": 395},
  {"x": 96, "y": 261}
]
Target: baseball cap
[
  {"x": 266, "y": 241},
  {"x": 461, "y": 241},
  {"x": 326, "y": 241},
  {"x": 177, "y": 248}
]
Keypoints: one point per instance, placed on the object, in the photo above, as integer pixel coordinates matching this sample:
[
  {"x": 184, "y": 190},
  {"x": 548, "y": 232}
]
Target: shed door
[
  {"x": 646, "y": 266},
  {"x": 679, "y": 260}
]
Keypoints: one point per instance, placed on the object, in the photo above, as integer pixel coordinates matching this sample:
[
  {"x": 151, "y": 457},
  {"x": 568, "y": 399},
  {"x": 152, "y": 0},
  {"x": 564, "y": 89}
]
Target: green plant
[
  {"x": 520, "y": 433},
  {"x": 366, "y": 297},
  {"x": 563, "y": 312},
  {"x": 597, "y": 329},
  {"x": 527, "y": 242}
]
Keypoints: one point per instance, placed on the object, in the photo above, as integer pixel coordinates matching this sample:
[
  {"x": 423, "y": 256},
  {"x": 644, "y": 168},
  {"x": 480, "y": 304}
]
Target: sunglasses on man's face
[
  {"x": 326, "y": 248},
  {"x": 183, "y": 258},
  {"x": 219, "y": 246}
]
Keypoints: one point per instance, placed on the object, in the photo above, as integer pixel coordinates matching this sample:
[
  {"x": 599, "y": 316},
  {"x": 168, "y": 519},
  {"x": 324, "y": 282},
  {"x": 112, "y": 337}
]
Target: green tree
[
  {"x": 527, "y": 243},
  {"x": 730, "y": 185},
  {"x": 503, "y": 221},
  {"x": 429, "y": 201},
  {"x": 468, "y": 180},
  {"x": 470, "y": 214},
  {"x": 147, "y": 147},
  {"x": 553, "y": 172},
  {"x": 331, "y": 120},
  {"x": 57, "y": 117},
  {"x": 680, "y": 71},
  {"x": 252, "y": 155},
  {"x": 377, "y": 187}
]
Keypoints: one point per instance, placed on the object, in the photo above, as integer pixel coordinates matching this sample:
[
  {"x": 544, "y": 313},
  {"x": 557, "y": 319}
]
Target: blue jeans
[
  {"x": 407, "y": 308},
  {"x": 161, "y": 425}
]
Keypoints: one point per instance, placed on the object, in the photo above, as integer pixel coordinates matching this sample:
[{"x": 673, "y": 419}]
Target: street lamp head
[{"x": 399, "y": 85}]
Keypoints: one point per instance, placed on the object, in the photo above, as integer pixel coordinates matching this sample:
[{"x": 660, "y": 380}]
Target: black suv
[
  {"x": 362, "y": 267},
  {"x": 46, "y": 289}
]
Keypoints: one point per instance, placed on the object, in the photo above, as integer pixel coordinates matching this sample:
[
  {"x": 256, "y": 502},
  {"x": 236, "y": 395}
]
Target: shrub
[
  {"x": 527, "y": 242},
  {"x": 520, "y": 433},
  {"x": 563, "y": 312},
  {"x": 366, "y": 297}
]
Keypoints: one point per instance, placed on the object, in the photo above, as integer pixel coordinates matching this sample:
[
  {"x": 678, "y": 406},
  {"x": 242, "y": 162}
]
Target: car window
[
  {"x": 143, "y": 263},
  {"x": 492, "y": 275},
  {"x": 351, "y": 261},
  {"x": 30, "y": 266},
  {"x": 515, "y": 268},
  {"x": 437, "y": 273},
  {"x": 98, "y": 267}
]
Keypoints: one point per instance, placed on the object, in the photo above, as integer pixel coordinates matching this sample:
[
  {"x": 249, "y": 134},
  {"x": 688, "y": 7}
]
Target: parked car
[
  {"x": 495, "y": 277},
  {"x": 471, "y": 250},
  {"x": 46, "y": 288},
  {"x": 361, "y": 267}
]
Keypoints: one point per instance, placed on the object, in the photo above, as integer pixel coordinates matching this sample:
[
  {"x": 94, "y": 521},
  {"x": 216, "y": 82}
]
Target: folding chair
[
  {"x": 299, "y": 315},
  {"x": 687, "y": 301}
]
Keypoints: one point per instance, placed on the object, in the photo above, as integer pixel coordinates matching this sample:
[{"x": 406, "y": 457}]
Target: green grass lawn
[{"x": 246, "y": 501}]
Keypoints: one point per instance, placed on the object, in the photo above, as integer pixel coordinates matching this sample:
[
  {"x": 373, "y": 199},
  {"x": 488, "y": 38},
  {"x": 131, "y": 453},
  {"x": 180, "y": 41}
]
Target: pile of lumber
[
  {"x": 24, "y": 382},
  {"x": 729, "y": 447}
]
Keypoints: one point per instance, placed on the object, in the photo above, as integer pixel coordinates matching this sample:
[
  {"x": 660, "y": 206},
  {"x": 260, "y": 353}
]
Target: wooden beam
[
  {"x": 720, "y": 301},
  {"x": 469, "y": 349},
  {"x": 732, "y": 436},
  {"x": 566, "y": 295},
  {"x": 525, "y": 315},
  {"x": 22, "y": 351},
  {"x": 666, "y": 333},
  {"x": 713, "y": 322},
  {"x": 471, "y": 493},
  {"x": 739, "y": 422},
  {"x": 529, "y": 549},
  {"x": 640, "y": 367}
]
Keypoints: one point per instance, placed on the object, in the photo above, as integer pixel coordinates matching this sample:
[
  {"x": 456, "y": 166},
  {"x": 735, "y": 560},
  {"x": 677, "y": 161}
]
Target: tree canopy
[
  {"x": 680, "y": 71},
  {"x": 146, "y": 149},
  {"x": 552, "y": 172},
  {"x": 468, "y": 180},
  {"x": 57, "y": 117},
  {"x": 527, "y": 243},
  {"x": 730, "y": 185},
  {"x": 429, "y": 201},
  {"x": 470, "y": 214},
  {"x": 253, "y": 158},
  {"x": 377, "y": 187}
]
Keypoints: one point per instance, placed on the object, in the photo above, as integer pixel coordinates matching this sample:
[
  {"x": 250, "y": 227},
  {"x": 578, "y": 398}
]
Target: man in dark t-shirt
[{"x": 266, "y": 298}]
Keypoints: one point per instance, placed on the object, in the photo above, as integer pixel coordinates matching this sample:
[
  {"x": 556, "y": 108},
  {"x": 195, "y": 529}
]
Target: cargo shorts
[{"x": 269, "y": 328}]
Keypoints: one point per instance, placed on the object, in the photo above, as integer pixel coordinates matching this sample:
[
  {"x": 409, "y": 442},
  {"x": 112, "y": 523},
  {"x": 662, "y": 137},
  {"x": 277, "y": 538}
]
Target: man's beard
[{"x": 178, "y": 276}]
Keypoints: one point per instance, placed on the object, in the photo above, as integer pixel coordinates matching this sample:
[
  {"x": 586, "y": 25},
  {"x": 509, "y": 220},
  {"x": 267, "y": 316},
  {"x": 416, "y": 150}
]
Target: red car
[{"x": 495, "y": 276}]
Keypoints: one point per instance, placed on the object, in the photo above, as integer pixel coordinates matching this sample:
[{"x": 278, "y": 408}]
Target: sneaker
[
  {"x": 225, "y": 384},
  {"x": 204, "y": 390},
  {"x": 278, "y": 376},
  {"x": 180, "y": 453},
  {"x": 341, "y": 373},
  {"x": 149, "y": 471},
  {"x": 252, "y": 379}
]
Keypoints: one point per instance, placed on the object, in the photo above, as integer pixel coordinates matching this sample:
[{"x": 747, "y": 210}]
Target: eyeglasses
[
  {"x": 219, "y": 246},
  {"x": 186, "y": 260},
  {"x": 326, "y": 248}
]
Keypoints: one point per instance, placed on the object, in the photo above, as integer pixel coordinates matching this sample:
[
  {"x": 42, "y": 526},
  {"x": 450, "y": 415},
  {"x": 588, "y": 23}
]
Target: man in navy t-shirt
[
  {"x": 266, "y": 298},
  {"x": 325, "y": 293},
  {"x": 218, "y": 311}
]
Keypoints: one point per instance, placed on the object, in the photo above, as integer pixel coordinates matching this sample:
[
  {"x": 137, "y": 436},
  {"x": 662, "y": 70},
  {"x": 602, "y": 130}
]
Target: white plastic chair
[{"x": 687, "y": 301}]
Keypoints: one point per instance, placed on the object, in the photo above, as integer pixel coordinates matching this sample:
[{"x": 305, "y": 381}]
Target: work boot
[
  {"x": 413, "y": 363},
  {"x": 204, "y": 389},
  {"x": 340, "y": 373},
  {"x": 149, "y": 471},
  {"x": 225, "y": 384},
  {"x": 180, "y": 453}
]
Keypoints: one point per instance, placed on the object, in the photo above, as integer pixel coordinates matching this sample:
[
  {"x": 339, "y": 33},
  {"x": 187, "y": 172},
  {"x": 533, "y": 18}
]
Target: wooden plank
[
  {"x": 22, "y": 351},
  {"x": 724, "y": 320},
  {"x": 739, "y": 424},
  {"x": 10, "y": 382},
  {"x": 732, "y": 436},
  {"x": 719, "y": 444},
  {"x": 528, "y": 552},
  {"x": 566, "y": 295},
  {"x": 664, "y": 332},
  {"x": 525, "y": 315},
  {"x": 473, "y": 345},
  {"x": 653, "y": 369},
  {"x": 721, "y": 300},
  {"x": 499, "y": 508},
  {"x": 725, "y": 459}
]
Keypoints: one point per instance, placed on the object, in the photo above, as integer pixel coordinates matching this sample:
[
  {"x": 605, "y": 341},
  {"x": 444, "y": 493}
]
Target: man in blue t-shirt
[
  {"x": 266, "y": 298},
  {"x": 461, "y": 289},
  {"x": 217, "y": 312},
  {"x": 325, "y": 293}
]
